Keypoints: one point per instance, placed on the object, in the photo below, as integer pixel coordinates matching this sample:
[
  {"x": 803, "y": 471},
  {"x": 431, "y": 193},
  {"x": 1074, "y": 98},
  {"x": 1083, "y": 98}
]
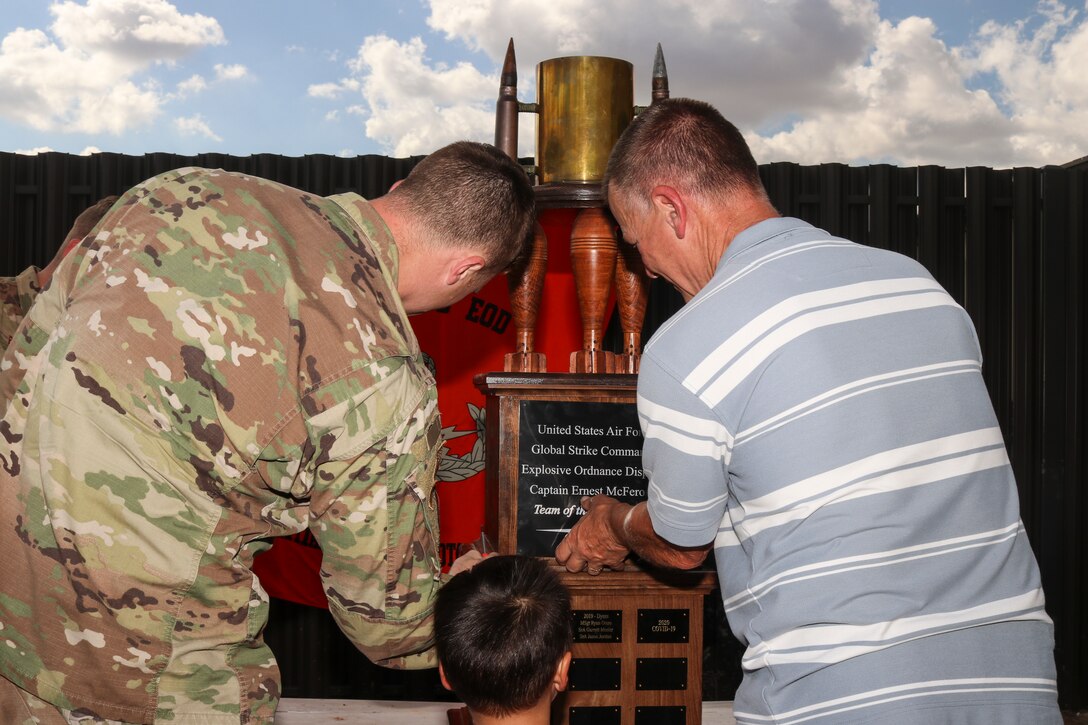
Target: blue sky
[{"x": 955, "y": 82}]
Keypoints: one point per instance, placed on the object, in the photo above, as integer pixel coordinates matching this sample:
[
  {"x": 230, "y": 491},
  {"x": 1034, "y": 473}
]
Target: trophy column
[
  {"x": 526, "y": 285},
  {"x": 632, "y": 290},
  {"x": 593, "y": 259}
]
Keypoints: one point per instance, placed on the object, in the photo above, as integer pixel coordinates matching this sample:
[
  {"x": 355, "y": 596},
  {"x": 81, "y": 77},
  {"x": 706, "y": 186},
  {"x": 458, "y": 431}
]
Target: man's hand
[
  {"x": 596, "y": 541},
  {"x": 611, "y": 530}
]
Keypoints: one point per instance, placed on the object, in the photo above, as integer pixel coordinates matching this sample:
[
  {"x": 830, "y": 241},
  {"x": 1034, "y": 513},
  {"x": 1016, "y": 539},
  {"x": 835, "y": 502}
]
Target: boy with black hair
[{"x": 503, "y": 637}]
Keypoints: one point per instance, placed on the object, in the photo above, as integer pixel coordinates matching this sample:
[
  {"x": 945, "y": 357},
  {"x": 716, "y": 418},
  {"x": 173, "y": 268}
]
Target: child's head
[{"x": 503, "y": 634}]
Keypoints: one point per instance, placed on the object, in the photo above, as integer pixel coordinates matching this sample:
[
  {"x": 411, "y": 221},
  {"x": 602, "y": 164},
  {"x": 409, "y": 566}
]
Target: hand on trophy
[{"x": 596, "y": 541}]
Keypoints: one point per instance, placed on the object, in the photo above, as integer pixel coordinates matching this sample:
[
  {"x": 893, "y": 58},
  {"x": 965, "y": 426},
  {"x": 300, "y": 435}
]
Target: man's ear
[
  {"x": 442, "y": 676},
  {"x": 462, "y": 267},
  {"x": 395, "y": 184},
  {"x": 668, "y": 202},
  {"x": 562, "y": 671}
]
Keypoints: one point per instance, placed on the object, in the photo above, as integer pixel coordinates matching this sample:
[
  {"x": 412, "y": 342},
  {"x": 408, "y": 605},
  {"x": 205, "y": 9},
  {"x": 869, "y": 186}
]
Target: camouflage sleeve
[
  {"x": 374, "y": 512},
  {"x": 10, "y": 313},
  {"x": 27, "y": 287},
  {"x": 16, "y": 296},
  {"x": 44, "y": 313}
]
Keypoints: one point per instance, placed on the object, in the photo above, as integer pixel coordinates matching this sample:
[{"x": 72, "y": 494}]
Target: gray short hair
[{"x": 686, "y": 144}]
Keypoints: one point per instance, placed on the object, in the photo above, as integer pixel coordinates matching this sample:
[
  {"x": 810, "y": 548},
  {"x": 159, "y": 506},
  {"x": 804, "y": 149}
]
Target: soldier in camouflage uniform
[
  {"x": 18, "y": 293},
  {"x": 228, "y": 359}
]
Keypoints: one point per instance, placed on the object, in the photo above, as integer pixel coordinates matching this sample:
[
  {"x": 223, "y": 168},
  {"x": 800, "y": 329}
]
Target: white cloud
[
  {"x": 332, "y": 115},
  {"x": 779, "y": 56},
  {"x": 195, "y": 126},
  {"x": 807, "y": 80},
  {"x": 753, "y": 58},
  {"x": 142, "y": 30},
  {"x": 909, "y": 103},
  {"x": 1043, "y": 74},
  {"x": 915, "y": 105},
  {"x": 191, "y": 85},
  {"x": 196, "y": 83},
  {"x": 326, "y": 90},
  {"x": 87, "y": 151},
  {"x": 411, "y": 105},
  {"x": 51, "y": 88},
  {"x": 85, "y": 77},
  {"x": 230, "y": 72},
  {"x": 346, "y": 153}
]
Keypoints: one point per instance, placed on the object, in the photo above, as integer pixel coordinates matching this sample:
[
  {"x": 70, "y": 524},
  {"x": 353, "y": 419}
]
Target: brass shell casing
[{"x": 584, "y": 104}]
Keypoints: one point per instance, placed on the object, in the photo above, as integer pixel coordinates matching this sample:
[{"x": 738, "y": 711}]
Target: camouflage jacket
[
  {"x": 16, "y": 296},
  {"x": 225, "y": 360}
]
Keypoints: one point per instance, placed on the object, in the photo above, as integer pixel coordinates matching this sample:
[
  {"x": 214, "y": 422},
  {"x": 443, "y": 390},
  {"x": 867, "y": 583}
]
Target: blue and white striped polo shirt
[{"x": 818, "y": 411}]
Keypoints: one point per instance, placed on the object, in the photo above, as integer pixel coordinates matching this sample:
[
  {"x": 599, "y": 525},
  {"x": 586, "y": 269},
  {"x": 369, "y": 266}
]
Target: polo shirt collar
[{"x": 759, "y": 233}]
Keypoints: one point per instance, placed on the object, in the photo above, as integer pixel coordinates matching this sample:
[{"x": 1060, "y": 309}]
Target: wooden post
[
  {"x": 526, "y": 287},
  {"x": 593, "y": 259},
  {"x": 632, "y": 291}
]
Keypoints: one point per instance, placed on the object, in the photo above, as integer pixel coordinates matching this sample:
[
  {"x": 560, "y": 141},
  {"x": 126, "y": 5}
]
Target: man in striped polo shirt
[{"x": 816, "y": 416}]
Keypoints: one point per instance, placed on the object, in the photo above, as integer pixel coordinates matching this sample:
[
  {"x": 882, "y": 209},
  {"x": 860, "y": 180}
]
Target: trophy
[{"x": 553, "y": 438}]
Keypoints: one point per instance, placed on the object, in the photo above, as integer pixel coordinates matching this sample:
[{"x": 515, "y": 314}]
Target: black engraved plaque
[
  {"x": 661, "y": 673},
  {"x": 594, "y": 716},
  {"x": 595, "y": 673},
  {"x": 567, "y": 450},
  {"x": 663, "y": 626},
  {"x": 597, "y": 625},
  {"x": 664, "y": 715}
]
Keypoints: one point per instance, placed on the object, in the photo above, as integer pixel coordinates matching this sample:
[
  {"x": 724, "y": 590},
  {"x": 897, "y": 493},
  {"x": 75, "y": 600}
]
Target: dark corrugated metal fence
[
  {"x": 1007, "y": 244},
  {"x": 40, "y": 196}
]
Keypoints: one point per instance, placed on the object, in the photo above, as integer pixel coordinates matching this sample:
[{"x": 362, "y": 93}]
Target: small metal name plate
[
  {"x": 594, "y": 716},
  {"x": 663, "y": 626},
  {"x": 597, "y": 625},
  {"x": 661, "y": 673},
  {"x": 672, "y": 715},
  {"x": 596, "y": 673}
]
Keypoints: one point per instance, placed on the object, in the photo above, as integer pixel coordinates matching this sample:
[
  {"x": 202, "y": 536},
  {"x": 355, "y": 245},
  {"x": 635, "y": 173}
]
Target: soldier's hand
[{"x": 596, "y": 541}]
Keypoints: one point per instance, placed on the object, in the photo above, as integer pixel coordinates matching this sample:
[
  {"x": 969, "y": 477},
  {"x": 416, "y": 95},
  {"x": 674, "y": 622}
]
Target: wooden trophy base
[
  {"x": 525, "y": 362},
  {"x": 553, "y": 438},
  {"x": 593, "y": 361},
  {"x": 627, "y": 364},
  {"x": 638, "y": 648}
]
